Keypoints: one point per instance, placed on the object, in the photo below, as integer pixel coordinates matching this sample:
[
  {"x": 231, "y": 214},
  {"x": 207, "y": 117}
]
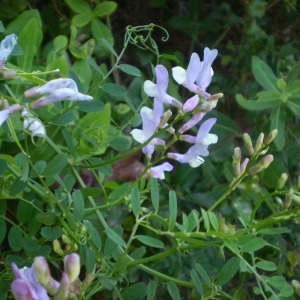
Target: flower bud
[
  {"x": 270, "y": 137},
  {"x": 259, "y": 142},
  {"x": 289, "y": 198},
  {"x": 244, "y": 165},
  {"x": 63, "y": 290},
  {"x": 281, "y": 181},
  {"x": 262, "y": 164},
  {"x": 165, "y": 118},
  {"x": 9, "y": 73},
  {"x": 191, "y": 103},
  {"x": 57, "y": 247},
  {"x": 72, "y": 266},
  {"x": 248, "y": 144},
  {"x": 192, "y": 122},
  {"x": 5, "y": 113},
  {"x": 236, "y": 161},
  {"x": 215, "y": 97}
]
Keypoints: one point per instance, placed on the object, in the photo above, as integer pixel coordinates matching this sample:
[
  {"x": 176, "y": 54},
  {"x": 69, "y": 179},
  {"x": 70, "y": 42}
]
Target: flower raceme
[{"x": 196, "y": 78}]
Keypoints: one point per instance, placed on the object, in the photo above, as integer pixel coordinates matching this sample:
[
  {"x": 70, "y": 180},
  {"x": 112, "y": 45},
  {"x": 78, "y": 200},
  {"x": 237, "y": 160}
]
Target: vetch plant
[{"x": 140, "y": 186}]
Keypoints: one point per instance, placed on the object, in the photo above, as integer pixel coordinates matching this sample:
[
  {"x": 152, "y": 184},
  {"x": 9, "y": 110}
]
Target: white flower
[{"x": 33, "y": 125}]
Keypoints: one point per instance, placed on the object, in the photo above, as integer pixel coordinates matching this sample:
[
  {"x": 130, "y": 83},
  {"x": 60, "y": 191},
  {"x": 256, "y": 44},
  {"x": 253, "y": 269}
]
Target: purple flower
[
  {"x": 196, "y": 118},
  {"x": 150, "y": 123},
  {"x": 198, "y": 75},
  {"x": 26, "y": 286},
  {"x": 193, "y": 156},
  {"x": 57, "y": 90},
  {"x": 5, "y": 113},
  {"x": 158, "y": 171},
  {"x": 203, "y": 136},
  {"x": 159, "y": 90},
  {"x": 6, "y": 47}
]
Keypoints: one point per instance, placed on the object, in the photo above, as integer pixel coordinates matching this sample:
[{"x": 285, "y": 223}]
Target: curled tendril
[{"x": 141, "y": 36}]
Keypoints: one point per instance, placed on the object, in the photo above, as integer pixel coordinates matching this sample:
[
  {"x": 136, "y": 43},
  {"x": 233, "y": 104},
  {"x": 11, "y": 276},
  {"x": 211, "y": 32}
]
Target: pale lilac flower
[
  {"x": 63, "y": 291},
  {"x": 158, "y": 171},
  {"x": 198, "y": 75},
  {"x": 72, "y": 266},
  {"x": 159, "y": 90},
  {"x": 196, "y": 118},
  {"x": 203, "y": 136},
  {"x": 193, "y": 156},
  {"x": 43, "y": 275},
  {"x": 60, "y": 95},
  {"x": 26, "y": 286},
  {"x": 6, "y": 47},
  {"x": 149, "y": 126},
  {"x": 52, "y": 85},
  {"x": 5, "y": 113},
  {"x": 33, "y": 125},
  {"x": 191, "y": 103}
]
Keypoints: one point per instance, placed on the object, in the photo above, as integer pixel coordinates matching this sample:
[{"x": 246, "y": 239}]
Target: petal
[
  {"x": 205, "y": 128},
  {"x": 196, "y": 162},
  {"x": 162, "y": 79},
  {"x": 158, "y": 171},
  {"x": 138, "y": 135},
  {"x": 179, "y": 75},
  {"x": 193, "y": 69},
  {"x": 150, "y": 88},
  {"x": 191, "y": 103},
  {"x": 192, "y": 122},
  {"x": 7, "y": 46}
]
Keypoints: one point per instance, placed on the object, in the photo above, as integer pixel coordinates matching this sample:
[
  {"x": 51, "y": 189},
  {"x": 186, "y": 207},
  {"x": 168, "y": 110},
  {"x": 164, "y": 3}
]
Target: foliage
[{"x": 225, "y": 230}]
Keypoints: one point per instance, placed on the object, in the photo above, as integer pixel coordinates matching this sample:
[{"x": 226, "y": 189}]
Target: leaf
[
  {"x": 78, "y": 203},
  {"x": 79, "y": 6},
  {"x": 89, "y": 256},
  {"x": 263, "y": 103},
  {"x": 203, "y": 274},
  {"x": 214, "y": 221},
  {"x": 135, "y": 201},
  {"x": 2, "y": 229},
  {"x": 197, "y": 282},
  {"x": 150, "y": 241},
  {"x": 115, "y": 237},
  {"x": 278, "y": 122},
  {"x": 253, "y": 244},
  {"x": 131, "y": 70},
  {"x": 205, "y": 219},
  {"x": 264, "y": 74},
  {"x": 294, "y": 105},
  {"x": 120, "y": 143},
  {"x": 134, "y": 292},
  {"x": 81, "y": 19},
  {"x": 279, "y": 230},
  {"x": 15, "y": 238},
  {"x": 114, "y": 89},
  {"x": 151, "y": 290},
  {"x": 172, "y": 210},
  {"x": 173, "y": 291},
  {"x": 154, "y": 194},
  {"x": 266, "y": 265},
  {"x": 228, "y": 271},
  {"x": 56, "y": 165},
  {"x": 104, "y": 8},
  {"x": 51, "y": 233}
]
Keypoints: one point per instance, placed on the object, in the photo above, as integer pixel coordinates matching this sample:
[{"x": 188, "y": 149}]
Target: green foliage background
[{"x": 249, "y": 243}]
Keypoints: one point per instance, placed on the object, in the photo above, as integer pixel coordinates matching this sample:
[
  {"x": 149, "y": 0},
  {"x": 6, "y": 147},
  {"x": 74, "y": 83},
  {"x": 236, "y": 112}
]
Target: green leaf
[
  {"x": 15, "y": 238},
  {"x": 172, "y": 210},
  {"x": 173, "y": 291},
  {"x": 45, "y": 218},
  {"x": 135, "y": 201},
  {"x": 51, "y": 233},
  {"x": 228, "y": 271},
  {"x": 287, "y": 291},
  {"x": 29, "y": 244},
  {"x": 131, "y": 70},
  {"x": 81, "y": 19},
  {"x": 56, "y": 165},
  {"x": 89, "y": 256},
  {"x": 78, "y": 203},
  {"x": 2, "y": 229},
  {"x": 294, "y": 105},
  {"x": 266, "y": 265},
  {"x": 253, "y": 244},
  {"x": 197, "y": 282},
  {"x": 214, "y": 221},
  {"x": 263, "y": 103},
  {"x": 151, "y": 290},
  {"x": 104, "y": 8},
  {"x": 278, "y": 122},
  {"x": 150, "y": 241},
  {"x": 264, "y": 74},
  {"x": 279, "y": 230},
  {"x": 17, "y": 186},
  {"x": 30, "y": 32},
  {"x": 135, "y": 292},
  {"x": 154, "y": 194},
  {"x": 114, "y": 89},
  {"x": 79, "y": 6},
  {"x": 205, "y": 219},
  {"x": 203, "y": 274},
  {"x": 120, "y": 143},
  {"x": 115, "y": 237},
  {"x": 24, "y": 211}
]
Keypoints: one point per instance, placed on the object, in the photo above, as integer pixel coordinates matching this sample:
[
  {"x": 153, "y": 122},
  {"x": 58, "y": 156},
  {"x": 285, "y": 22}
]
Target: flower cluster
[
  {"x": 36, "y": 282},
  {"x": 53, "y": 91},
  {"x": 196, "y": 78}
]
